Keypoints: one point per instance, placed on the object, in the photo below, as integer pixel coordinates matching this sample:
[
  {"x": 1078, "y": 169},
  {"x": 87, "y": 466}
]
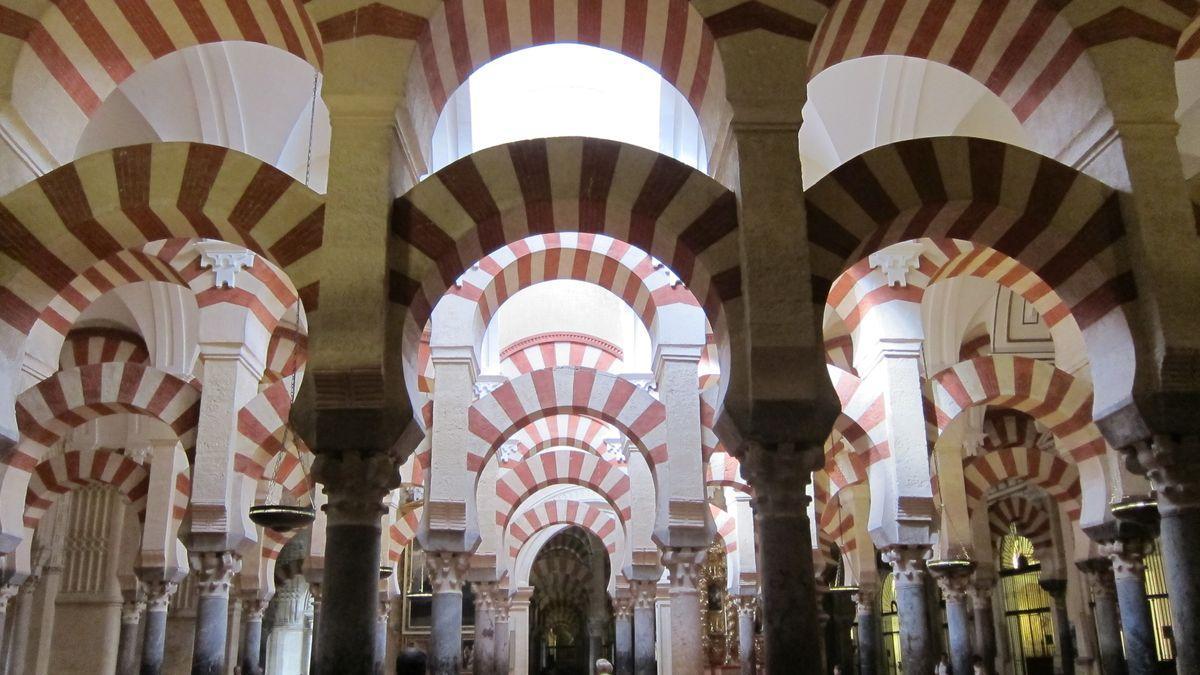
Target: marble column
[
  {"x": 251, "y": 647},
  {"x": 687, "y": 650},
  {"x": 355, "y": 485},
  {"x": 132, "y": 609},
  {"x": 214, "y": 572},
  {"x": 1099, "y": 574},
  {"x": 623, "y": 634},
  {"x": 644, "y": 593},
  {"x": 1064, "y": 653},
  {"x": 1173, "y": 468},
  {"x": 866, "y": 611},
  {"x": 985, "y": 623},
  {"x": 20, "y": 635},
  {"x": 484, "y": 650},
  {"x": 1128, "y": 556},
  {"x": 780, "y": 475},
  {"x": 314, "y": 626},
  {"x": 7, "y": 593},
  {"x": 286, "y": 641},
  {"x": 447, "y": 571},
  {"x": 381, "y": 635},
  {"x": 916, "y": 638},
  {"x": 954, "y": 584},
  {"x": 745, "y": 605},
  {"x": 501, "y": 661},
  {"x": 154, "y": 638}
]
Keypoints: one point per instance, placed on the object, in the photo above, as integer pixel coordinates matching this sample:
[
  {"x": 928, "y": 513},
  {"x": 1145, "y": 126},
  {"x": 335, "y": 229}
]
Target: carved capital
[
  {"x": 744, "y": 605},
  {"x": 1173, "y": 466},
  {"x": 866, "y": 600},
  {"x": 780, "y": 474},
  {"x": 158, "y": 594},
  {"x": 131, "y": 610},
  {"x": 622, "y": 607},
  {"x": 981, "y": 592},
  {"x": 1128, "y": 556},
  {"x": 214, "y": 571},
  {"x": 355, "y": 483},
  {"x": 447, "y": 570},
  {"x": 908, "y": 562},
  {"x": 684, "y": 567},
  {"x": 1099, "y": 575},
  {"x": 254, "y": 607},
  {"x": 487, "y": 595},
  {"x": 644, "y": 592},
  {"x": 955, "y": 585}
]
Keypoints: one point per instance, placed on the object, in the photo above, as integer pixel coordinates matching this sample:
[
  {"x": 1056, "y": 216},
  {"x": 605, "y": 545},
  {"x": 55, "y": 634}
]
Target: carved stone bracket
[
  {"x": 908, "y": 562},
  {"x": 356, "y": 483},
  {"x": 447, "y": 570},
  {"x": 214, "y": 571},
  {"x": 895, "y": 262},
  {"x": 225, "y": 261}
]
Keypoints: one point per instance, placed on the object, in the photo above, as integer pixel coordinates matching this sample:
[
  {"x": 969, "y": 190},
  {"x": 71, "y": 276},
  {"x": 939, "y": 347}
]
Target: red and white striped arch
[
  {"x": 502, "y": 195},
  {"x": 291, "y": 472},
  {"x": 669, "y": 36},
  {"x": 595, "y": 519},
  {"x": 403, "y": 531},
  {"x": 287, "y": 353},
  {"x": 1003, "y": 428},
  {"x": 273, "y": 542},
  {"x": 837, "y": 524},
  {"x": 1027, "y": 52},
  {"x": 263, "y": 289},
  {"x": 723, "y": 470},
  {"x": 1030, "y": 518},
  {"x": 83, "y": 49},
  {"x": 495, "y": 417},
  {"x": 562, "y": 467},
  {"x": 262, "y": 425},
  {"x": 726, "y": 526},
  {"x": 1063, "y": 228},
  {"x": 582, "y": 432},
  {"x": 87, "y": 346},
  {"x": 843, "y": 465},
  {"x": 1049, "y": 395},
  {"x": 48, "y": 410},
  {"x": 1059, "y": 478},
  {"x": 547, "y": 350},
  {"x": 62, "y": 228},
  {"x": 64, "y": 472}
]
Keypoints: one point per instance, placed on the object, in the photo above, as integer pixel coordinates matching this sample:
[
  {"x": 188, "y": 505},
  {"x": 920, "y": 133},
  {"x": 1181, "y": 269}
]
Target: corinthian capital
[
  {"x": 215, "y": 571},
  {"x": 447, "y": 570},
  {"x": 1173, "y": 467},
  {"x": 684, "y": 566},
  {"x": 1099, "y": 575},
  {"x": 1128, "y": 556},
  {"x": 744, "y": 605},
  {"x": 644, "y": 591},
  {"x": 356, "y": 483},
  {"x": 908, "y": 562}
]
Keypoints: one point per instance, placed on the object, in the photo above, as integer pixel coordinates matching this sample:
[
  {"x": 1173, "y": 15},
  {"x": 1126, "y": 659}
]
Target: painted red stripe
[
  {"x": 928, "y": 28},
  {"x": 885, "y": 24},
  {"x": 198, "y": 21},
  {"x": 1023, "y": 42},
  {"x": 541, "y": 21},
  {"x": 633, "y": 30},
  {"x": 290, "y": 37},
  {"x": 456, "y": 25},
  {"x": 846, "y": 30},
  {"x": 589, "y": 14},
  {"x": 96, "y": 38},
  {"x": 495, "y": 15},
  {"x": 975, "y": 37},
  {"x": 1051, "y": 75},
  {"x": 676, "y": 33}
]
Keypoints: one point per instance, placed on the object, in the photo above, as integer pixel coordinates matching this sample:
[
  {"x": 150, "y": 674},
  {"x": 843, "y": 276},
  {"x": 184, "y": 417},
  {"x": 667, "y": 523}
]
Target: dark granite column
[
  {"x": 746, "y": 606},
  {"x": 251, "y": 647},
  {"x": 355, "y": 484},
  {"x": 1173, "y": 467},
  {"x": 154, "y": 639},
  {"x": 866, "y": 611},
  {"x": 447, "y": 571},
  {"x": 644, "y": 592},
  {"x": 916, "y": 638},
  {"x": 780, "y": 474},
  {"x": 214, "y": 571},
  {"x": 954, "y": 580},
  {"x": 1064, "y": 654},
  {"x": 985, "y": 622},
  {"x": 127, "y": 646},
  {"x": 1099, "y": 573},
  {"x": 623, "y": 634},
  {"x": 1129, "y": 573},
  {"x": 484, "y": 649}
]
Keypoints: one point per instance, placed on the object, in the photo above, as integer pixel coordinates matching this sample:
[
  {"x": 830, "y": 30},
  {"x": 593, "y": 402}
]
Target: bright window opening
[{"x": 568, "y": 90}]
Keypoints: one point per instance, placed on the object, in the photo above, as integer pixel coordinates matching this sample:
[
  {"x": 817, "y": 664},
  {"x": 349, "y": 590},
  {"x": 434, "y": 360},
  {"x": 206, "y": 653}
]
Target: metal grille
[
  {"x": 1027, "y": 618},
  {"x": 890, "y": 625},
  {"x": 1160, "y": 607}
]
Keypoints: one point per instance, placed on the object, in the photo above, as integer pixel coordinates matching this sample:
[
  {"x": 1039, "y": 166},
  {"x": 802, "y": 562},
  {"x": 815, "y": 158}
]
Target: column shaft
[
  {"x": 446, "y": 574},
  {"x": 251, "y": 647},
  {"x": 1107, "y": 616},
  {"x": 127, "y": 648},
  {"x": 985, "y": 625},
  {"x": 355, "y": 484},
  {"x": 501, "y": 663},
  {"x": 867, "y": 618},
  {"x": 623, "y": 636},
  {"x": 1180, "y": 541},
  {"x": 154, "y": 639},
  {"x": 916, "y": 638},
  {"x": 954, "y": 584},
  {"x": 746, "y": 605},
  {"x": 687, "y": 650},
  {"x": 1064, "y": 651},
  {"x": 381, "y": 631},
  {"x": 643, "y": 627},
  {"x": 1129, "y": 575},
  {"x": 215, "y": 570},
  {"x": 484, "y": 649},
  {"x": 20, "y": 635}
]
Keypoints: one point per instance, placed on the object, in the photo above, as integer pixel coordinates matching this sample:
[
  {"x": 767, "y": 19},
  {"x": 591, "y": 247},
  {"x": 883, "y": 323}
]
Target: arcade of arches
[{"x": 701, "y": 336}]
